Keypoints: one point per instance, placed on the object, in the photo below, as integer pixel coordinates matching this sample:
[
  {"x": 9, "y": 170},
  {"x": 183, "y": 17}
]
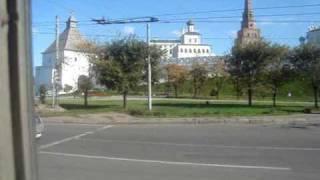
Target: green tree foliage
[
  {"x": 199, "y": 75},
  {"x": 155, "y": 56},
  {"x": 84, "y": 85},
  {"x": 277, "y": 71},
  {"x": 306, "y": 60},
  {"x": 177, "y": 75},
  {"x": 67, "y": 88},
  {"x": 122, "y": 65},
  {"x": 220, "y": 76},
  {"x": 247, "y": 63},
  {"x": 43, "y": 94}
]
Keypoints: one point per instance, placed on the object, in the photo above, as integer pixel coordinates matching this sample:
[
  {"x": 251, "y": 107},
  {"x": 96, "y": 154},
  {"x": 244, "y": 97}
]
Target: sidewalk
[{"x": 117, "y": 118}]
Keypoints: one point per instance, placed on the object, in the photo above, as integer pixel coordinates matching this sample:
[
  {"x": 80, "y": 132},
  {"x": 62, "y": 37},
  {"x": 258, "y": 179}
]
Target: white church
[
  {"x": 189, "y": 45},
  {"x": 74, "y": 62}
]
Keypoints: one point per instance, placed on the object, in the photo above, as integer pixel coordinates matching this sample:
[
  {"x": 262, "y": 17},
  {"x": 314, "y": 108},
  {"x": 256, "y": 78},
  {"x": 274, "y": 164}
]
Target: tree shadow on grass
[
  {"x": 82, "y": 107},
  {"x": 289, "y": 109}
]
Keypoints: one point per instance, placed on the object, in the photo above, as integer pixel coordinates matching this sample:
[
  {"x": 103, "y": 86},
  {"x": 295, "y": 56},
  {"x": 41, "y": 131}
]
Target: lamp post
[{"x": 149, "y": 70}]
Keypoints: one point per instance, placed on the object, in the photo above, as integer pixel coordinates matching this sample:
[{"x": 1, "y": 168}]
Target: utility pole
[
  {"x": 149, "y": 70},
  {"x": 55, "y": 67}
]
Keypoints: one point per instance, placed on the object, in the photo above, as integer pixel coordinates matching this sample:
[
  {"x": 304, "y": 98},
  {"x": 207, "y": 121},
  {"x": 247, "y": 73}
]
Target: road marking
[
  {"x": 209, "y": 146},
  {"x": 166, "y": 162},
  {"x": 70, "y": 124},
  {"x": 73, "y": 137}
]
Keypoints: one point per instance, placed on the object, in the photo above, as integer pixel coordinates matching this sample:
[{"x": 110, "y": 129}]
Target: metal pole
[
  {"x": 149, "y": 70},
  {"x": 54, "y": 66}
]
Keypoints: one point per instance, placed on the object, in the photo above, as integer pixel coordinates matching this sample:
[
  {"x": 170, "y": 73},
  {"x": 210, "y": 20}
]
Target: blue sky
[{"x": 220, "y": 35}]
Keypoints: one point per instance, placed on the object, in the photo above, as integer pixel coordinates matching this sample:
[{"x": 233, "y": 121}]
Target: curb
[{"x": 161, "y": 121}]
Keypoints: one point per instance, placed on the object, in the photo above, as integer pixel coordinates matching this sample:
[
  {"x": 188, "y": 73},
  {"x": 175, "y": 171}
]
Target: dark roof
[
  {"x": 69, "y": 39},
  {"x": 190, "y": 23},
  {"x": 165, "y": 41},
  {"x": 194, "y": 45},
  {"x": 315, "y": 30},
  {"x": 192, "y": 33}
]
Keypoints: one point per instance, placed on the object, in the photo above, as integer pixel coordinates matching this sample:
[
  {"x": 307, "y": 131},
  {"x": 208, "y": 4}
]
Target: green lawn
[{"x": 177, "y": 108}]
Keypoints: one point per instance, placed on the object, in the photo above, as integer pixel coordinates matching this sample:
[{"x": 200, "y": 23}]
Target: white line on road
[
  {"x": 73, "y": 137},
  {"x": 166, "y": 162},
  {"x": 71, "y": 124},
  {"x": 206, "y": 145}
]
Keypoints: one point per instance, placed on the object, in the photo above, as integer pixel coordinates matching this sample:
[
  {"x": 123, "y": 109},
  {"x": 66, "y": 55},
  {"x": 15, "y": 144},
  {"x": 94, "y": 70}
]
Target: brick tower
[{"x": 249, "y": 32}]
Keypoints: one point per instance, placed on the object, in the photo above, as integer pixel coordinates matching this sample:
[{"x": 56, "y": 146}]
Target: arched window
[
  {"x": 181, "y": 50},
  {"x": 199, "y": 51},
  {"x": 190, "y": 50},
  {"x": 186, "y": 50},
  {"x": 194, "y": 50},
  {"x": 207, "y": 50},
  {"x": 203, "y": 51}
]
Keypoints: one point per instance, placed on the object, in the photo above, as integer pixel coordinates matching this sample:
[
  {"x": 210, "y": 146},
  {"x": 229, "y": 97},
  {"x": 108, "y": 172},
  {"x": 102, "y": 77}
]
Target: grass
[{"x": 176, "y": 108}]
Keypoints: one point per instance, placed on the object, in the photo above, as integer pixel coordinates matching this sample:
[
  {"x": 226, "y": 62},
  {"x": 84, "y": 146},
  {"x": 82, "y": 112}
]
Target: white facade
[
  {"x": 188, "y": 46},
  {"x": 166, "y": 45},
  {"x": 74, "y": 62},
  {"x": 189, "y": 51},
  {"x": 313, "y": 36}
]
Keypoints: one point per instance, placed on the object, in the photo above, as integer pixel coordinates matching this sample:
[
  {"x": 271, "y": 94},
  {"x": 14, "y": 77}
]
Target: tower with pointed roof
[
  {"x": 74, "y": 61},
  {"x": 249, "y": 32}
]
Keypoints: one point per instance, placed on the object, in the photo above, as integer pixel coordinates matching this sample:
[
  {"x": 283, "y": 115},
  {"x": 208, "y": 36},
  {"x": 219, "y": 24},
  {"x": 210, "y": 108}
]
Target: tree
[
  {"x": 306, "y": 60},
  {"x": 247, "y": 63},
  {"x": 155, "y": 56},
  {"x": 43, "y": 93},
  {"x": 67, "y": 88},
  {"x": 121, "y": 65},
  {"x": 199, "y": 75},
  {"x": 84, "y": 85},
  {"x": 277, "y": 70},
  {"x": 177, "y": 75},
  {"x": 220, "y": 75}
]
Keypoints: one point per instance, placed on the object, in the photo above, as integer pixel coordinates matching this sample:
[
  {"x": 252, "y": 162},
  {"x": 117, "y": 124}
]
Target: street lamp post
[
  {"x": 54, "y": 67},
  {"x": 149, "y": 70}
]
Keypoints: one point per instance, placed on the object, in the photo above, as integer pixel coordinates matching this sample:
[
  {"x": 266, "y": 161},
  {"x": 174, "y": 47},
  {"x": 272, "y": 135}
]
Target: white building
[
  {"x": 189, "y": 46},
  {"x": 313, "y": 35},
  {"x": 167, "y": 46},
  {"x": 74, "y": 62}
]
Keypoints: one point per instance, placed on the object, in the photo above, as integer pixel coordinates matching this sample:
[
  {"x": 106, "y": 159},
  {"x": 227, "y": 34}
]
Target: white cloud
[
  {"x": 176, "y": 32},
  {"x": 233, "y": 33},
  {"x": 128, "y": 30},
  {"x": 271, "y": 22},
  {"x": 35, "y": 30}
]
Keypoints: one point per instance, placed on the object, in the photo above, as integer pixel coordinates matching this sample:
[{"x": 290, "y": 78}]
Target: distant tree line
[{"x": 256, "y": 67}]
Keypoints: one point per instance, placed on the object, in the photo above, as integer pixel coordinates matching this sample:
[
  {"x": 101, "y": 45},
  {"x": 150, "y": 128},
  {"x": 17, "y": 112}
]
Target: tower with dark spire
[{"x": 249, "y": 32}]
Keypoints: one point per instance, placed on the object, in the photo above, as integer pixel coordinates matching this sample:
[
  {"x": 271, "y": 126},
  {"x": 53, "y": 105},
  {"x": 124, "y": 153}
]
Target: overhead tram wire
[
  {"x": 240, "y": 16},
  {"x": 234, "y": 10},
  {"x": 178, "y": 20},
  {"x": 209, "y": 11},
  {"x": 238, "y": 21},
  {"x": 142, "y": 37},
  {"x": 206, "y": 20}
]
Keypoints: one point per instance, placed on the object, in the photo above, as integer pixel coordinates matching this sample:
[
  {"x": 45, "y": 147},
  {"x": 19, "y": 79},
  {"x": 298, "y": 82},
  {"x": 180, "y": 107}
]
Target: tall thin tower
[{"x": 249, "y": 31}]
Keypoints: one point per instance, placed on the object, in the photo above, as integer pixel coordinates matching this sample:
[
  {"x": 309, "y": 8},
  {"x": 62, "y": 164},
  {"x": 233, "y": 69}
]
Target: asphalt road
[{"x": 179, "y": 152}]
